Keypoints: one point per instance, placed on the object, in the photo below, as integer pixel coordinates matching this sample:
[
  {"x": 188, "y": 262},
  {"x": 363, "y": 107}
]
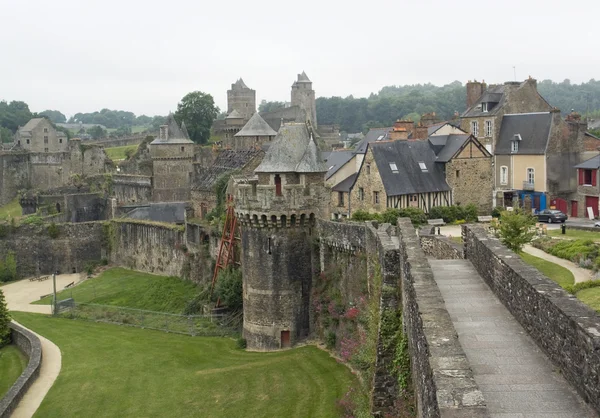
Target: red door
[
  {"x": 573, "y": 208},
  {"x": 285, "y": 339},
  {"x": 591, "y": 202},
  {"x": 277, "y": 185}
]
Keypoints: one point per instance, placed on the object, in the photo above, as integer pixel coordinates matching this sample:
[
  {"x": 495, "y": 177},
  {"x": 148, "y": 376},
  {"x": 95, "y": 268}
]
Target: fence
[{"x": 214, "y": 325}]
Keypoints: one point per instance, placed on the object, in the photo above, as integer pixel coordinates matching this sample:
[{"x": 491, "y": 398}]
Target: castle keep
[{"x": 277, "y": 209}]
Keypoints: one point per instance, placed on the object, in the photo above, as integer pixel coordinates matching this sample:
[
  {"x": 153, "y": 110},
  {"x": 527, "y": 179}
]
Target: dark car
[{"x": 551, "y": 215}]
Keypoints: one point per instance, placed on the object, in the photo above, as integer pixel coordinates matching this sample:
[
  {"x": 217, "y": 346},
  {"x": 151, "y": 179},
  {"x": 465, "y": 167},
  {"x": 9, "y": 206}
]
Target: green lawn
[
  {"x": 590, "y": 297},
  {"x": 10, "y": 210},
  {"x": 458, "y": 240},
  {"x": 575, "y": 234},
  {"x": 119, "y": 153},
  {"x": 559, "y": 274},
  {"x": 12, "y": 364},
  {"x": 113, "y": 371},
  {"x": 133, "y": 289}
]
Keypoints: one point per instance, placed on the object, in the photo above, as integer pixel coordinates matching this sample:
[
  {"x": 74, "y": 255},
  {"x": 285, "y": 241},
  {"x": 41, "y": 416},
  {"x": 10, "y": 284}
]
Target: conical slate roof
[
  {"x": 256, "y": 126},
  {"x": 175, "y": 135},
  {"x": 239, "y": 85},
  {"x": 293, "y": 151},
  {"x": 235, "y": 115},
  {"x": 303, "y": 77}
]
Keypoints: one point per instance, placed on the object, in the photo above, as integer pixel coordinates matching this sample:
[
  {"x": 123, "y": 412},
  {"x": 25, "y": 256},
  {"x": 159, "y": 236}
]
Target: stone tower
[
  {"x": 241, "y": 98},
  {"x": 277, "y": 210},
  {"x": 172, "y": 158},
  {"x": 303, "y": 96}
]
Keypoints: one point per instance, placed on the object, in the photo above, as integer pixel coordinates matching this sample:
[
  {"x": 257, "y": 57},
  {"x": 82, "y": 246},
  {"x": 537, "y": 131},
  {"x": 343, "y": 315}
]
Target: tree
[
  {"x": 265, "y": 106},
  {"x": 516, "y": 229},
  {"x": 5, "y": 135},
  {"x": 54, "y": 115},
  {"x": 96, "y": 132},
  {"x": 229, "y": 288},
  {"x": 4, "y": 321},
  {"x": 198, "y": 111}
]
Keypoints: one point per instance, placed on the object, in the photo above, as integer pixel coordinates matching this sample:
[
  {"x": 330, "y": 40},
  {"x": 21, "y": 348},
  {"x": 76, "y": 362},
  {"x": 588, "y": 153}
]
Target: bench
[
  {"x": 70, "y": 285},
  {"x": 436, "y": 222},
  {"x": 487, "y": 218},
  {"x": 39, "y": 279}
]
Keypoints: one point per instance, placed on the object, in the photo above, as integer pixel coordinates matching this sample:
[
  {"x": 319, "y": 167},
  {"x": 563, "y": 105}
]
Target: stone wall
[
  {"x": 15, "y": 174},
  {"x": 131, "y": 188},
  {"x": 442, "y": 377},
  {"x": 118, "y": 142},
  {"x": 36, "y": 252},
  {"x": 566, "y": 329},
  {"x": 30, "y": 345},
  {"x": 369, "y": 180},
  {"x": 440, "y": 247}
]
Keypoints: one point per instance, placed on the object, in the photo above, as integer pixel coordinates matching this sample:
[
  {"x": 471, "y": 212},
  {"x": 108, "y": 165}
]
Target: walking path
[
  {"x": 19, "y": 295},
  {"x": 514, "y": 375}
]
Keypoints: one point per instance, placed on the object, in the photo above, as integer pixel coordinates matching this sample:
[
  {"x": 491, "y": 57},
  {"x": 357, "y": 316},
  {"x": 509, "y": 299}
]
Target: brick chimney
[
  {"x": 401, "y": 129},
  {"x": 474, "y": 91}
]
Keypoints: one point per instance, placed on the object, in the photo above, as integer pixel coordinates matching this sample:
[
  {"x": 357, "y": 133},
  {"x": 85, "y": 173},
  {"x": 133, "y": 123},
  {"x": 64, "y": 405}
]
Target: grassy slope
[
  {"x": 118, "y": 153},
  {"x": 10, "y": 210},
  {"x": 559, "y": 274},
  {"x": 590, "y": 297},
  {"x": 12, "y": 364},
  {"x": 110, "y": 371},
  {"x": 134, "y": 289},
  {"x": 575, "y": 234}
]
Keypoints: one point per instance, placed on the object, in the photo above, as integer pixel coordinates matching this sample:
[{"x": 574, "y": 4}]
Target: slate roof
[
  {"x": 374, "y": 134},
  {"x": 30, "y": 126},
  {"x": 336, "y": 160},
  {"x": 226, "y": 162},
  {"x": 491, "y": 94},
  {"x": 410, "y": 178},
  {"x": 303, "y": 77},
  {"x": 171, "y": 212},
  {"x": 434, "y": 128},
  {"x": 292, "y": 150},
  {"x": 239, "y": 85},
  {"x": 446, "y": 146},
  {"x": 592, "y": 163},
  {"x": 346, "y": 184},
  {"x": 235, "y": 115},
  {"x": 175, "y": 135},
  {"x": 256, "y": 126},
  {"x": 533, "y": 128}
]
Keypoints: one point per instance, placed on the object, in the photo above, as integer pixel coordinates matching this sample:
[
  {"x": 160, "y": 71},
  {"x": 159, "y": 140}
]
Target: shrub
[
  {"x": 453, "y": 213},
  {"x": 33, "y": 220},
  {"x": 497, "y": 211},
  {"x": 196, "y": 305},
  {"x": 3, "y": 230},
  {"x": 8, "y": 268},
  {"x": 229, "y": 288},
  {"x": 470, "y": 213},
  {"x": 53, "y": 231},
  {"x": 241, "y": 343},
  {"x": 516, "y": 229},
  {"x": 330, "y": 340},
  {"x": 416, "y": 215},
  {"x": 4, "y": 321},
  {"x": 573, "y": 289}
]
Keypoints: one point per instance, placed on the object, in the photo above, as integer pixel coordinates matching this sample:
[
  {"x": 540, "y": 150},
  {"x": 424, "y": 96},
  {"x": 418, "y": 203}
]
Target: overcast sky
[{"x": 144, "y": 56}]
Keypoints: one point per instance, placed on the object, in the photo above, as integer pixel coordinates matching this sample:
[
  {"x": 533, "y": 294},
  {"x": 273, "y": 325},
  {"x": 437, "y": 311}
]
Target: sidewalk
[{"x": 580, "y": 274}]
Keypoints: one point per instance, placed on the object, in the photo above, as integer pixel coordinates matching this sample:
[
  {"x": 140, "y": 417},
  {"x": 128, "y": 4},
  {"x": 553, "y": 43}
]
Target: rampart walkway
[{"x": 514, "y": 375}]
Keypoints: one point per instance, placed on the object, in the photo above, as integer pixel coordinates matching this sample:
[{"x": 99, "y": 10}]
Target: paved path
[
  {"x": 19, "y": 295},
  {"x": 516, "y": 378},
  {"x": 580, "y": 274}
]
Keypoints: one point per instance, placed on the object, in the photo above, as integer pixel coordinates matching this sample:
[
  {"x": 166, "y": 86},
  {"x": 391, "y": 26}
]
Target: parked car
[{"x": 551, "y": 215}]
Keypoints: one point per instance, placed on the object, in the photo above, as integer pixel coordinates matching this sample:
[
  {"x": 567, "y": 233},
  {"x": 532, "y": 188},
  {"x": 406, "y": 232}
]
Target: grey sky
[{"x": 143, "y": 56}]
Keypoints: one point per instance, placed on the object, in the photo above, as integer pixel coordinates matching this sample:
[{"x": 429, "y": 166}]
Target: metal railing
[{"x": 527, "y": 185}]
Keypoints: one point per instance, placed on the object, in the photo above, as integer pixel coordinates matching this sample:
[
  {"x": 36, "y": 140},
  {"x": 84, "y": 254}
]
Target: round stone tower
[{"x": 277, "y": 210}]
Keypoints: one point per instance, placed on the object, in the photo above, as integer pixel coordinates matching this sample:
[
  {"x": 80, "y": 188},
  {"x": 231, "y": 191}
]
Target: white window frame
[
  {"x": 504, "y": 175},
  {"x": 475, "y": 128},
  {"x": 530, "y": 170},
  {"x": 393, "y": 167},
  {"x": 514, "y": 146},
  {"x": 484, "y": 107},
  {"x": 489, "y": 127}
]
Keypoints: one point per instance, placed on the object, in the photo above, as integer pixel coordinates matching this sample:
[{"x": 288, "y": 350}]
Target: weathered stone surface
[{"x": 440, "y": 247}]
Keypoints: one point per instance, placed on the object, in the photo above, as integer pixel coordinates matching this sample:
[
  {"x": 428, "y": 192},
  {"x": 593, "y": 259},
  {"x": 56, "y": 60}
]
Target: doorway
[
  {"x": 574, "y": 208},
  {"x": 285, "y": 339},
  {"x": 277, "y": 185}
]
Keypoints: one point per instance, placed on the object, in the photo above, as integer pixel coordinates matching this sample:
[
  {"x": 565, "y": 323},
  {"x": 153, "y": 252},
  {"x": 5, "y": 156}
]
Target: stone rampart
[
  {"x": 30, "y": 345},
  {"x": 566, "y": 329},
  {"x": 118, "y": 142},
  {"x": 15, "y": 174},
  {"x": 441, "y": 247},
  {"x": 442, "y": 377}
]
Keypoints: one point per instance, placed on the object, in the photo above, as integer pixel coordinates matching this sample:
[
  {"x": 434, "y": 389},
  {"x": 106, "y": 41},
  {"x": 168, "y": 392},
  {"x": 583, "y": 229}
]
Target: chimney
[
  {"x": 163, "y": 134},
  {"x": 474, "y": 91},
  {"x": 401, "y": 129}
]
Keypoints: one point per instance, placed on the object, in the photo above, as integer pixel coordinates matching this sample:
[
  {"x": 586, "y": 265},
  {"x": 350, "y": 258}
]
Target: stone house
[
  {"x": 255, "y": 133},
  {"x": 172, "y": 155},
  {"x": 486, "y": 106},
  {"x": 39, "y": 135},
  {"x": 588, "y": 189},
  {"x": 205, "y": 179}
]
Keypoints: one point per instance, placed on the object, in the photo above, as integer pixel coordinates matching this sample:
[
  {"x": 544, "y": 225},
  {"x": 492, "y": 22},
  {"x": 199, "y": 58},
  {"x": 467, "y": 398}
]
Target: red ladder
[{"x": 226, "y": 248}]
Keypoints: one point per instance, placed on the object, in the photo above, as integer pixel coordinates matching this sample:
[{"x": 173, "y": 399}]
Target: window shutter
[
  {"x": 580, "y": 173},
  {"x": 594, "y": 175}
]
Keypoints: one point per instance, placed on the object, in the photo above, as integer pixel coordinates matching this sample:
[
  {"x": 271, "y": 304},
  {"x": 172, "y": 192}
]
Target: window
[
  {"x": 457, "y": 173},
  {"x": 28, "y": 141},
  {"x": 587, "y": 176},
  {"x": 60, "y": 140},
  {"x": 423, "y": 166},
  {"x": 394, "y": 167},
  {"x": 484, "y": 107},
  {"x": 504, "y": 175},
  {"x": 414, "y": 198},
  {"x": 488, "y": 147},
  {"x": 182, "y": 149},
  {"x": 368, "y": 168},
  {"x": 475, "y": 128},
  {"x": 530, "y": 175},
  {"x": 376, "y": 198},
  {"x": 45, "y": 140},
  {"x": 278, "y": 185},
  {"x": 488, "y": 128},
  {"x": 514, "y": 146},
  {"x": 361, "y": 193},
  {"x": 340, "y": 198},
  {"x": 45, "y": 130},
  {"x": 45, "y": 149},
  {"x": 380, "y": 137}
]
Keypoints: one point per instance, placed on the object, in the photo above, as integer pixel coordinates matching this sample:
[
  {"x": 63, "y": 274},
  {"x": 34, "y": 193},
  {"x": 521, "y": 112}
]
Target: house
[
  {"x": 399, "y": 174},
  {"x": 486, "y": 106},
  {"x": 40, "y": 135},
  {"x": 588, "y": 190},
  {"x": 253, "y": 135}
]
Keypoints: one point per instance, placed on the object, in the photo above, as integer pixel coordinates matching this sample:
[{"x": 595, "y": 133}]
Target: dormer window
[
  {"x": 514, "y": 146},
  {"x": 484, "y": 107},
  {"x": 394, "y": 167}
]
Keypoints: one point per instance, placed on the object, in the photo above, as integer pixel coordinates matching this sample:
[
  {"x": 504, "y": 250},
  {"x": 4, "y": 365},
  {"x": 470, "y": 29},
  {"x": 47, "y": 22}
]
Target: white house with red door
[{"x": 587, "y": 188}]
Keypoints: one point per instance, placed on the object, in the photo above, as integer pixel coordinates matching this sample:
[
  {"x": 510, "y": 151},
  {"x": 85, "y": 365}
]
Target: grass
[
  {"x": 133, "y": 289},
  {"x": 557, "y": 273},
  {"x": 575, "y": 234},
  {"x": 110, "y": 371},
  {"x": 458, "y": 240},
  {"x": 590, "y": 297},
  {"x": 119, "y": 153},
  {"x": 10, "y": 210},
  {"x": 12, "y": 364}
]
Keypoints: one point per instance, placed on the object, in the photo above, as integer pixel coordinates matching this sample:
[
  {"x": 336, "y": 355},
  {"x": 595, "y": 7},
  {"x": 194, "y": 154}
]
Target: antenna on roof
[{"x": 515, "y": 72}]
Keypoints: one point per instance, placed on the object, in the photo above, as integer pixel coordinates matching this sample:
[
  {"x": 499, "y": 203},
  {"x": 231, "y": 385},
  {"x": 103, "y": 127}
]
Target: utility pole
[{"x": 54, "y": 293}]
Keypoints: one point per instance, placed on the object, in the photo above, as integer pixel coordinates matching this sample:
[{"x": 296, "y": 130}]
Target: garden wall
[
  {"x": 440, "y": 247},
  {"x": 30, "y": 345},
  {"x": 566, "y": 329},
  {"x": 37, "y": 252},
  {"x": 442, "y": 377}
]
